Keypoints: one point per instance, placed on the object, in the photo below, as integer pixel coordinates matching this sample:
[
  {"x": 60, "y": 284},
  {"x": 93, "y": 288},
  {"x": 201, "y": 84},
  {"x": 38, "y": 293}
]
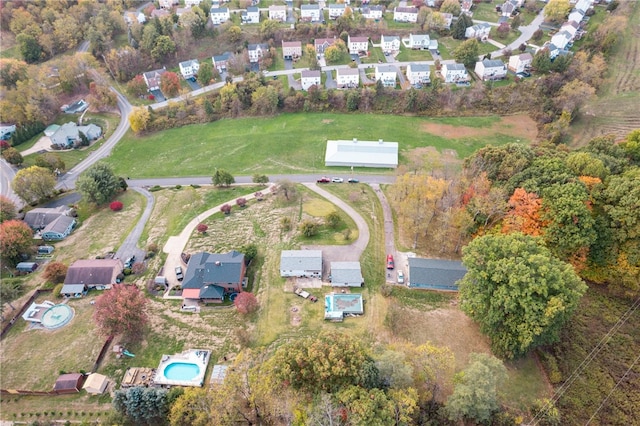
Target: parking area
[
  {"x": 193, "y": 84},
  {"x": 157, "y": 94}
]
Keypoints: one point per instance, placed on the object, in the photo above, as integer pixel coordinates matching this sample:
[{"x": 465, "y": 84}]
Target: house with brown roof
[
  {"x": 291, "y": 49},
  {"x": 93, "y": 273},
  {"x": 152, "y": 78},
  {"x": 321, "y": 44}
]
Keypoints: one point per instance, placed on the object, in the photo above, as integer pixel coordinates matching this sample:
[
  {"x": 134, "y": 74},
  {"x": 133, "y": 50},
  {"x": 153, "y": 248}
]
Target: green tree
[
  {"x": 269, "y": 28},
  {"x": 34, "y": 184},
  {"x": 234, "y": 33},
  {"x": 16, "y": 239},
  {"x": 328, "y": 362},
  {"x": 8, "y": 209},
  {"x": 460, "y": 27},
  {"x": 12, "y": 71},
  {"x": 29, "y": 48},
  {"x": 192, "y": 408},
  {"x": 517, "y": 291},
  {"x": 451, "y": 6},
  {"x": 259, "y": 178},
  {"x": 265, "y": 100},
  {"x": 141, "y": 405},
  {"x": 308, "y": 228},
  {"x": 366, "y": 407},
  {"x": 205, "y": 73},
  {"x": 333, "y": 219},
  {"x": 557, "y": 10},
  {"x": 475, "y": 395},
  {"x": 163, "y": 46},
  {"x": 467, "y": 53},
  {"x": 51, "y": 161},
  {"x": 222, "y": 178},
  {"x": 98, "y": 184},
  {"x": 12, "y": 156},
  {"x": 631, "y": 145}
]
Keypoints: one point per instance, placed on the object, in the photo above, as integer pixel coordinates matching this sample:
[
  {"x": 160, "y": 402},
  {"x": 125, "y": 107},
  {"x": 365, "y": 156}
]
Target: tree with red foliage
[
  {"x": 16, "y": 239},
  {"x": 170, "y": 84},
  {"x": 137, "y": 86},
  {"x": 246, "y": 303},
  {"x": 116, "y": 206},
  {"x": 241, "y": 202},
  {"x": 4, "y": 145},
  {"x": 202, "y": 228},
  {"x": 226, "y": 209},
  {"x": 56, "y": 272},
  {"x": 524, "y": 214},
  {"x": 121, "y": 311}
]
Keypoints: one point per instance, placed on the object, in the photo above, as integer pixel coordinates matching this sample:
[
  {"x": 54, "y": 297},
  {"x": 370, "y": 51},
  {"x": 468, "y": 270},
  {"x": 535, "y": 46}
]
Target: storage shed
[
  {"x": 26, "y": 267},
  {"x": 435, "y": 274},
  {"x": 355, "y": 153},
  {"x": 96, "y": 384},
  {"x": 346, "y": 274},
  {"x": 69, "y": 383}
]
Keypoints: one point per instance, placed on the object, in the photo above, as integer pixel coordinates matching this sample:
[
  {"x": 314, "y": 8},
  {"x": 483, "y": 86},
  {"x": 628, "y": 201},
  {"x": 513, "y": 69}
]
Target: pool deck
[
  {"x": 199, "y": 357},
  {"x": 337, "y": 306}
]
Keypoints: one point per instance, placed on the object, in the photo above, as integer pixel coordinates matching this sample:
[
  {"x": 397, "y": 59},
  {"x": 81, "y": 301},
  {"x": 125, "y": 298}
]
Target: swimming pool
[
  {"x": 338, "y": 305},
  {"x": 56, "y": 316},
  {"x": 181, "y": 371}
]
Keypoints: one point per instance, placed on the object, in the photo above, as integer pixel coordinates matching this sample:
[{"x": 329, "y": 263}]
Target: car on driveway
[
  {"x": 353, "y": 180},
  {"x": 337, "y": 180},
  {"x": 523, "y": 74},
  {"x": 129, "y": 262},
  {"x": 179, "y": 275},
  {"x": 390, "y": 263},
  {"x": 400, "y": 277},
  {"x": 323, "y": 179}
]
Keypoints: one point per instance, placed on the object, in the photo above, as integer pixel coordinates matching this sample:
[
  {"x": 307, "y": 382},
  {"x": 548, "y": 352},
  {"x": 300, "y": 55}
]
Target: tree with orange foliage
[{"x": 524, "y": 214}]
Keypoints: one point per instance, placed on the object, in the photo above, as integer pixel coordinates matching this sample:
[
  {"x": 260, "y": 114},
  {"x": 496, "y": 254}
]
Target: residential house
[
  {"x": 357, "y": 45},
  {"x": 336, "y": 10},
  {"x": 69, "y": 383},
  {"x": 278, "y": 12},
  {"x": 386, "y": 74},
  {"x": 131, "y": 17},
  {"x": 356, "y": 153},
  {"x": 189, "y": 69},
  {"x": 211, "y": 276},
  {"x": 419, "y": 41},
  {"x": 219, "y": 15},
  {"x": 301, "y": 263},
  {"x": 310, "y": 78},
  {"x": 168, "y": 4},
  {"x": 6, "y": 131},
  {"x": 520, "y": 63},
  {"x": 251, "y": 15},
  {"x": 191, "y": 3},
  {"x": 454, "y": 73},
  {"x": 257, "y": 51},
  {"x": 40, "y": 217},
  {"x": 346, "y": 274},
  {"x": 69, "y": 133},
  {"x": 575, "y": 16},
  {"x": 584, "y": 5},
  {"x": 94, "y": 273},
  {"x": 480, "y": 31},
  {"x": 321, "y": 44},
  {"x": 310, "y": 13},
  {"x": 419, "y": 73},
  {"x": 372, "y": 12},
  {"x": 508, "y": 8},
  {"x": 435, "y": 274},
  {"x": 571, "y": 28},
  {"x": 390, "y": 43},
  {"x": 152, "y": 78},
  {"x": 405, "y": 14},
  {"x": 561, "y": 39},
  {"x": 347, "y": 77},
  {"x": 76, "y": 107},
  {"x": 291, "y": 49},
  {"x": 220, "y": 61},
  {"x": 491, "y": 69},
  {"x": 465, "y": 7},
  {"x": 448, "y": 20},
  {"x": 59, "y": 229}
]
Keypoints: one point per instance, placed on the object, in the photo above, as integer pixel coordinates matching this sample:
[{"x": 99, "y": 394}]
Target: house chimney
[{"x": 218, "y": 263}]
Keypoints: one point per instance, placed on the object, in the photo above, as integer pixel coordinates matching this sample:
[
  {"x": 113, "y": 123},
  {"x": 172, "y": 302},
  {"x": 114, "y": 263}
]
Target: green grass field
[
  {"x": 406, "y": 55},
  {"x": 288, "y": 143}
]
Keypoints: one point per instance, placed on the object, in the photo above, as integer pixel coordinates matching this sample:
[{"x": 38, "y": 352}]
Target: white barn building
[
  {"x": 301, "y": 263},
  {"x": 355, "y": 153}
]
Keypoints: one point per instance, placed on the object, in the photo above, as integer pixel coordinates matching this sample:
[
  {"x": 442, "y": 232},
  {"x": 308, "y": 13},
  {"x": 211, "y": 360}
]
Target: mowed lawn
[{"x": 288, "y": 143}]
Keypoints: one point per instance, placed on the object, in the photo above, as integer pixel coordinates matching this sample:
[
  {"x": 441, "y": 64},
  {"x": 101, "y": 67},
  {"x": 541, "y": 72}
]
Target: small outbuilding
[
  {"x": 355, "y": 153},
  {"x": 26, "y": 267},
  {"x": 346, "y": 274},
  {"x": 73, "y": 290},
  {"x": 69, "y": 383},
  {"x": 96, "y": 384},
  {"x": 435, "y": 274}
]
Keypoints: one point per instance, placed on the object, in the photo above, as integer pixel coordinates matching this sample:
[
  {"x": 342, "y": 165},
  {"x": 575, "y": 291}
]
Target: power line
[
  {"x": 614, "y": 388},
  {"x": 586, "y": 361}
]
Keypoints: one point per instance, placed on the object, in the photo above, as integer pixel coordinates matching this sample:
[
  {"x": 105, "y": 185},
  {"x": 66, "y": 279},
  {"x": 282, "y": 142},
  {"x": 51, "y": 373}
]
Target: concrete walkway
[{"x": 176, "y": 244}]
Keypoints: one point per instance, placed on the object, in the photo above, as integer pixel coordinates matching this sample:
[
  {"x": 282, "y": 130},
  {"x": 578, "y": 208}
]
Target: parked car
[
  {"x": 179, "y": 275},
  {"x": 400, "y": 277},
  {"x": 390, "y": 264},
  {"x": 353, "y": 180},
  {"x": 323, "y": 179},
  {"x": 337, "y": 180},
  {"x": 523, "y": 74},
  {"x": 129, "y": 262}
]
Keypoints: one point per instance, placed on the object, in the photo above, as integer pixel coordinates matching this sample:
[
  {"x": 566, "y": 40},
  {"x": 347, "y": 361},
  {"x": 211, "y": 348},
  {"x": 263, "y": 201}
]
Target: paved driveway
[
  {"x": 130, "y": 245},
  {"x": 193, "y": 84},
  {"x": 158, "y": 95},
  {"x": 330, "y": 83},
  {"x": 389, "y": 240}
]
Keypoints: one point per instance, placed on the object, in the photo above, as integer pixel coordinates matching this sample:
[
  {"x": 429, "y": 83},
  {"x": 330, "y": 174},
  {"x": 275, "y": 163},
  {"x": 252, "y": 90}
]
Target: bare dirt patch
[
  {"x": 520, "y": 125},
  {"x": 326, "y": 121}
]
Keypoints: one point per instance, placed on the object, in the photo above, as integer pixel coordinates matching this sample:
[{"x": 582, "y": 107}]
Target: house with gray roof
[
  {"x": 152, "y": 79},
  {"x": 211, "y": 276},
  {"x": 491, "y": 69},
  {"x": 454, "y": 73},
  {"x": 69, "y": 133},
  {"x": 346, "y": 274},
  {"x": 301, "y": 263},
  {"x": 40, "y": 217},
  {"x": 310, "y": 13},
  {"x": 220, "y": 61},
  {"x": 58, "y": 229},
  {"x": 480, "y": 31},
  {"x": 435, "y": 274},
  {"x": 419, "y": 73},
  {"x": 418, "y": 41}
]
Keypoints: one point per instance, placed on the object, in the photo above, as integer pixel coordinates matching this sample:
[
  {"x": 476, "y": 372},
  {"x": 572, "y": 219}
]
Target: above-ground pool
[
  {"x": 181, "y": 371},
  {"x": 57, "y": 316},
  {"x": 338, "y": 305}
]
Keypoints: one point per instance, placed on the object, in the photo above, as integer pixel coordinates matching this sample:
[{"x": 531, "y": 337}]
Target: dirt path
[{"x": 389, "y": 240}]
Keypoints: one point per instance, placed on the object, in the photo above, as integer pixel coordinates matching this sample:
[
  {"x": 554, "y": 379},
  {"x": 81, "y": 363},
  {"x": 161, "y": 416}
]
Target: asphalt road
[{"x": 7, "y": 173}]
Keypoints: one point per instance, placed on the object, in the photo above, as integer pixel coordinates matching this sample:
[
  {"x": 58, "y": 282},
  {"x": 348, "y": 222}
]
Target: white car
[
  {"x": 337, "y": 180},
  {"x": 400, "y": 277}
]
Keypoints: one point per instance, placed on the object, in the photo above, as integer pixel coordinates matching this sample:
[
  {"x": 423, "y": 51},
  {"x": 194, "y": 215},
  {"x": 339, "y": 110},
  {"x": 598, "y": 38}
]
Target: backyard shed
[
  {"x": 26, "y": 267},
  {"x": 69, "y": 383},
  {"x": 355, "y": 153},
  {"x": 301, "y": 263},
  {"x": 95, "y": 384},
  {"x": 435, "y": 274},
  {"x": 346, "y": 274}
]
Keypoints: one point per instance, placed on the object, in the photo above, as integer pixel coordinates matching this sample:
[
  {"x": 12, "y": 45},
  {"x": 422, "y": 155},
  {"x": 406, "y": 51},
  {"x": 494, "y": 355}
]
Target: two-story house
[
  {"x": 189, "y": 69},
  {"x": 336, "y": 10},
  {"x": 387, "y": 74},
  {"x": 405, "y": 14},
  {"x": 454, "y": 73},
  {"x": 372, "y": 12},
  {"x": 480, "y": 31},
  {"x": 419, "y": 73},
  {"x": 251, "y": 15},
  {"x": 390, "y": 44},
  {"x": 310, "y": 13},
  {"x": 291, "y": 49},
  {"x": 219, "y": 15},
  {"x": 310, "y": 78},
  {"x": 278, "y": 12},
  {"x": 152, "y": 78},
  {"x": 491, "y": 69},
  {"x": 356, "y": 45},
  {"x": 220, "y": 61},
  {"x": 419, "y": 41},
  {"x": 321, "y": 44},
  {"x": 347, "y": 78},
  {"x": 209, "y": 277},
  {"x": 520, "y": 63},
  {"x": 257, "y": 51}
]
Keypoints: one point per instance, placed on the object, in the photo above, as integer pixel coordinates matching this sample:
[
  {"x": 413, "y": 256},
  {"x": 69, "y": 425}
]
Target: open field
[
  {"x": 295, "y": 143},
  {"x": 615, "y": 110}
]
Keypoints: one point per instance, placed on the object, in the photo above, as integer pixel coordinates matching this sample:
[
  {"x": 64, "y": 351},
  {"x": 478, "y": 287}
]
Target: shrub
[
  {"x": 152, "y": 247},
  {"x": 57, "y": 290},
  {"x": 241, "y": 202},
  {"x": 193, "y": 185},
  {"x": 386, "y": 290},
  {"x": 138, "y": 268},
  {"x": 226, "y": 209},
  {"x": 151, "y": 97},
  {"x": 178, "y": 186},
  {"x": 126, "y": 271},
  {"x": 155, "y": 188},
  {"x": 246, "y": 303},
  {"x": 202, "y": 228},
  {"x": 333, "y": 220},
  {"x": 116, "y": 206}
]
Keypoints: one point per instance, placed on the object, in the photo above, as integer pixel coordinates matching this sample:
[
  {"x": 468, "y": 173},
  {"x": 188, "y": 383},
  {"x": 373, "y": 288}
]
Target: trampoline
[{"x": 57, "y": 316}]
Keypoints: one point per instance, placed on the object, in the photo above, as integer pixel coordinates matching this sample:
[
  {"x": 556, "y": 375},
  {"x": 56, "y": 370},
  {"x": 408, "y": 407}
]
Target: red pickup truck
[{"x": 323, "y": 179}]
